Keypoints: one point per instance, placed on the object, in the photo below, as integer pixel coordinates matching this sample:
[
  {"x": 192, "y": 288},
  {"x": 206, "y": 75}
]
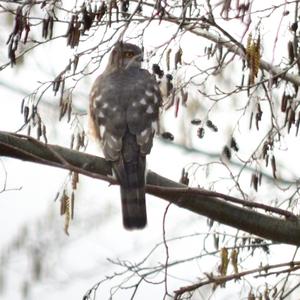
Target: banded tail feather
[{"x": 130, "y": 171}]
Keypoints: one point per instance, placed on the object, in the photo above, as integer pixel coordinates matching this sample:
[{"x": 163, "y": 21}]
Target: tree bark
[{"x": 202, "y": 202}]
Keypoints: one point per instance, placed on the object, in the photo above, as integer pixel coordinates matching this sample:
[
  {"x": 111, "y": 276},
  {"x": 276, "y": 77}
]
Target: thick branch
[{"x": 200, "y": 201}]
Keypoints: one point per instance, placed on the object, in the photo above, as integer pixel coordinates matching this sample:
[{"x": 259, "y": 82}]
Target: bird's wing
[{"x": 125, "y": 101}]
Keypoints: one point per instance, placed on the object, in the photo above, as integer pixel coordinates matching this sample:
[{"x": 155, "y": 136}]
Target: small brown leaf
[
  {"x": 212, "y": 126},
  {"x": 72, "y": 141},
  {"x": 184, "y": 96},
  {"x": 75, "y": 179},
  {"x": 196, "y": 122},
  {"x": 259, "y": 178},
  {"x": 45, "y": 28},
  {"x": 27, "y": 29},
  {"x": 75, "y": 63},
  {"x": 234, "y": 260},
  {"x": 56, "y": 84},
  {"x": 178, "y": 58},
  {"x": 273, "y": 164},
  {"x": 258, "y": 115},
  {"x": 82, "y": 138},
  {"x": 39, "y": 128},
  {"x": 87, "y": 17},
  {"x": 167, "y": 136},
  {"x": 265, "y": 149},
  {"x": 287, "y": 114},
  {"x": 22, "y": 105},
  {"x": 216, "y": 241},
  {"x": 72, "y": 204},
  {"x": 28, "y": 130},
  {"x": 26, "y": 113},
  {"x": 234, "y": 145},
  {"x": 291, "y": 52},
  {"x": 284, "y": 102},
  {"x": 51, "y": 25},
  {"x": 69, "y": 109},
  {"x": 224, "y": 262},
  {"x": 291, "y": 119},
  {"x": 251, "y": 118},
  {"x": 294, "y": 26},
  {"x": 44, "y": 132},
  {"x": 177, "y": 106},
  {"x": 62, "y": 89},
  {"x": 298, "y": 123},
  {"x": 168, "y": 59},
  {"x": 200, "y": 132},
  {"x": 63, "y": 203},
  {"x": 184, "y": 179},
  {"x": 226, "y": 152},
  {"x": 157, "y": 70},
  {"x": 254, "y": 182},
  {"x": 63, "y": 109},
  {"x": 267, "y": 160}
]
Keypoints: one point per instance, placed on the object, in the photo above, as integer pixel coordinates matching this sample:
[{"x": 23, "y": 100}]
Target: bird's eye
[{"x": 128, "y": 54}]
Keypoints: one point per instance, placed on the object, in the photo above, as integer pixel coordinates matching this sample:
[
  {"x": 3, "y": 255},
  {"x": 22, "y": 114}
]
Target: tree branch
[
  {"x": 221, "y": 279},
  {"x": 232, "y": 47},
  {"x": 199, "y": 201}
]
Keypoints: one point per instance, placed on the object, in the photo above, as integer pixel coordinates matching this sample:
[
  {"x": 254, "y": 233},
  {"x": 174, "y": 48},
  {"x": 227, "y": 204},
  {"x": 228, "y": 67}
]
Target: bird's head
[{"x": 126, "y": 55}]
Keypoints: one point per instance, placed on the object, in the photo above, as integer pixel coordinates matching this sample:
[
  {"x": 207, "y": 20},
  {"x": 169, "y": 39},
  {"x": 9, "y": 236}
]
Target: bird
[{"x": 124, "y": 115}]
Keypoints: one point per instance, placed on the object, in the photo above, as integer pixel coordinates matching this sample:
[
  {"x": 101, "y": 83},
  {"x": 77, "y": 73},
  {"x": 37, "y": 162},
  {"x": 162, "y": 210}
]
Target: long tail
[
  {"x": 133, "y": 207},
  {"x": 130, "y": 171}
]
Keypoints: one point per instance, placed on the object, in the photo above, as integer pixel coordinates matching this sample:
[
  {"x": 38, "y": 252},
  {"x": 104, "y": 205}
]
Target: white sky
[{"x": 74, "y": 263}]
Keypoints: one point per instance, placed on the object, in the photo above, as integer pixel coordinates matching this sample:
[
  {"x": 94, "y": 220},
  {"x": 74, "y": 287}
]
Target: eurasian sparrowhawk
[{"x": 124, "y": 110}]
